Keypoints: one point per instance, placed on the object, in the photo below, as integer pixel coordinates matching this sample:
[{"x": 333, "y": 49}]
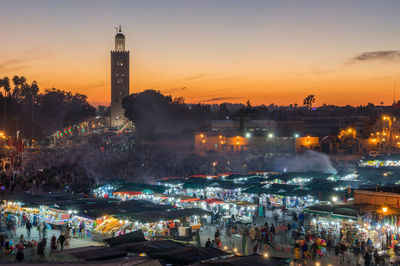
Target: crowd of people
[
  {"x": 313, "y": 246},
  {"x": 18, "y": 232}
]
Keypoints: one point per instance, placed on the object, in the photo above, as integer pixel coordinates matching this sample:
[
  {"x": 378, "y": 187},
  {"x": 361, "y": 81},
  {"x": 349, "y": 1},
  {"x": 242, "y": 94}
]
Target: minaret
[{"x": 119, "y": 79}]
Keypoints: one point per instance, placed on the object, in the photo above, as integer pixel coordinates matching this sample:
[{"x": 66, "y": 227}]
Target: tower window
[{"x": 120, "y": 63}]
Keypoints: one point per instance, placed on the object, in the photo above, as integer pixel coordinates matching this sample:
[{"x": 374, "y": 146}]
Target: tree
[
  {"x": 223, "y": 111},
  {"x": 39, "y": 114},
  {"x": 19, "y": 85},
  {"x": 309, "y": 100},
  {"x": 5, "y": 83},
  {"x": 57, "y": 108},
  {"x": 156, "y": 115},
  {"x": 248, "y": 104}
]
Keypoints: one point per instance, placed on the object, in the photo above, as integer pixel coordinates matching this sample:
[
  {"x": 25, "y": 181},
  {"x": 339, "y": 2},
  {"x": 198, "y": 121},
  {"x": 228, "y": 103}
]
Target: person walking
[
  {"x": 343, "y": 250},
  {"x": 259, "y": 238},
  {"x": 357, "y": 253},
  {"x": 314, "y": 248},
  {"x": 40, "y": 230},
  {"x": 41, "y": 247},
  {"x": 53, "y": 244},
  {"x": 272, "y": 231},
  {"x": 20, "y": 255},
  {"x": 44, "y": 229},
  {"x": 216, "y": 235},
  {"x": 61, "y": 238},
  {"x": 82, "y": 229},
  {"x": 28, "y": 228},
  {"x": 297, "y": 253},
  {"x": 367, "y": 258},
  {"x": 330, "y": 243}
]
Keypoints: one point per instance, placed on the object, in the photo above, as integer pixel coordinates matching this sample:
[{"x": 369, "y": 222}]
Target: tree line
[
  {"x": 37, "y": 114},
  {"x": 158, "y": 116}
]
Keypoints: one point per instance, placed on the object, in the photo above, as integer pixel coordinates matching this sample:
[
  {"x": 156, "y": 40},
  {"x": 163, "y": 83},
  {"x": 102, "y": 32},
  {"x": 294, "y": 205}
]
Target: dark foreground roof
[
  {"x": 149, "y": 247},
  {"x": 93, "y": 253},
  {"x": 135, "y": 236},
  {"x": 188, "y": 255},
  {"x": 340, "y": 211},
  {"x": 253, "y": 260}
]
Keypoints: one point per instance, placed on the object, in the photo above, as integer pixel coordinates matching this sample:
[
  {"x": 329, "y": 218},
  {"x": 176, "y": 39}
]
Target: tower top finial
[{"x": 120, "y": 28}]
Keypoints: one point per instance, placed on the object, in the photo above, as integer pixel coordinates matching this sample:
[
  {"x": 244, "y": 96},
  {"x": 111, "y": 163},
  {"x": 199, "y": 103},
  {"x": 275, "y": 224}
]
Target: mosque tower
[{"x": 119, "y": 79}]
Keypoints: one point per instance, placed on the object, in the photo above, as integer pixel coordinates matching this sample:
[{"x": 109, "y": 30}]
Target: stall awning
[
  {"x": 164, "y": 215},
  {"x": 213, "y": 201}
]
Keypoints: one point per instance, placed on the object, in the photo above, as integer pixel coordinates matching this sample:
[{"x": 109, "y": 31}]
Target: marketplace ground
[{"x": 229, "y": 241}]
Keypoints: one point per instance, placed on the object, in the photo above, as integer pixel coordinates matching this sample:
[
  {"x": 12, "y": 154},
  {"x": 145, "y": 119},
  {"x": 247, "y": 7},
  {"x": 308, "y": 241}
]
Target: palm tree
[
  {"x": 6, "y": 85},
  {"x": 309, "y": 100},
  {"x": 19, "y": 84}
]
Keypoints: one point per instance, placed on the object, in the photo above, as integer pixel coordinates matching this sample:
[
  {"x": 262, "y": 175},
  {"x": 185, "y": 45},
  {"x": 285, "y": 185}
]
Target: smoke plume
[{"x": 310, "y": 161}]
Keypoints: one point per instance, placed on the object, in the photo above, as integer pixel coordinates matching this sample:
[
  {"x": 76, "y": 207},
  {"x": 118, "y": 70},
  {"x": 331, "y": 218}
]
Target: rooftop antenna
[{"x": 120, "y": 28}]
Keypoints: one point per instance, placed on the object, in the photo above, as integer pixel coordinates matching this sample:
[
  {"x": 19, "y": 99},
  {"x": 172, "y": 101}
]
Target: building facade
[
  {"x": 223, "y": 142},
  {"x": 119, "y": 79}
]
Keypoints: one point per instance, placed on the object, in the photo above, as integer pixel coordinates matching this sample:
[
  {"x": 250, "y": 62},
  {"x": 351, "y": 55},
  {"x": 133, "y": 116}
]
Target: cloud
[
  {"x": 385, "y": 78},
  {"x": 34, "y": 49},
  {"x": 175, "y": 89},
  {"x": 208, "y": 77},
  {"x": 13, "y": 64},
  {"x": 315, "y": 72},
  {"x": 196, "y": 77},
  {"x": 220, "y": 99},
  {"x": 320, "y": 72},
  {"x": 19, "y": 62},
  {"x": 96, "y": 85},
  {"x": 388, "y": 56}
]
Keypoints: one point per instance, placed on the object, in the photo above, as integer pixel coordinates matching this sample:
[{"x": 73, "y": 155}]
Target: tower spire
[{"x": 120, "y": 28}]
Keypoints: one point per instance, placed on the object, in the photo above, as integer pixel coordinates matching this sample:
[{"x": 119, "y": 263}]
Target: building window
[
  {"x": 119, "y": 80},
  {"x": 120, "y": 63}
]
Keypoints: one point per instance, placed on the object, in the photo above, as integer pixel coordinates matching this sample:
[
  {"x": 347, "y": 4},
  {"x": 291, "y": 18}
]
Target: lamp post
[{"x": 334, "y": 199}]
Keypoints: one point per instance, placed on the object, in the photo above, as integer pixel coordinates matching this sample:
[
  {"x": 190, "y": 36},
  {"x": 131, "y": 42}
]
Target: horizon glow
[{"x": 210, "y": 51}]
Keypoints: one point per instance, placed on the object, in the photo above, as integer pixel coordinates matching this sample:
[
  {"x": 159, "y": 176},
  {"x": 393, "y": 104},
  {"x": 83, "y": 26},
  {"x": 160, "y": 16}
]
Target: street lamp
[
  {"x": 248, "y": 135},
  {"x": 296, "y": 135},
  {"x": 384, "y": 209},
  {"x": 270, "y": 135},
  {"x": 334, "y": 199}
]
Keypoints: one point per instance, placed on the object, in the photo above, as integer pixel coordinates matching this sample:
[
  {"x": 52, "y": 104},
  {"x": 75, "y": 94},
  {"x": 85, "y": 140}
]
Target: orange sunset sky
[{"x": 210, "y": 51}]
